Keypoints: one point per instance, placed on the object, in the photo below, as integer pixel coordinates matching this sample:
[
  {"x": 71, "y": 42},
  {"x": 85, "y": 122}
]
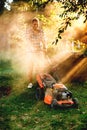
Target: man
[{"x": 37, "y": 48}]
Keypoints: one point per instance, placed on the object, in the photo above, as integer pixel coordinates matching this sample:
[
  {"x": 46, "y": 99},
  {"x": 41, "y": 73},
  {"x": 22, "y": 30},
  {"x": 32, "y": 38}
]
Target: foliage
[
  {"x": 7, "y": 77},
  {"x": 85, "y": 52},
  {"x": 5, "y": 70},
  {"x": 79, "y": 46},
  {"x": 78, "y": 6},
  {"x": 72, "y": 10}
]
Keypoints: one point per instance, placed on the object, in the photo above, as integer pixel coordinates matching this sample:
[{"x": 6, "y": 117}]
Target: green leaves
[{"x": 64, "y": 25}]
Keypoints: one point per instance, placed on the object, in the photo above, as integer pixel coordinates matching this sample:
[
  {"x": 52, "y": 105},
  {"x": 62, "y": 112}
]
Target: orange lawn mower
[{"x": 54, "y": 94}]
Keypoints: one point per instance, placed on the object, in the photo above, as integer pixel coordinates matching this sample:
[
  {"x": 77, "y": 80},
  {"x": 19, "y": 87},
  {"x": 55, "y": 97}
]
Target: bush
[{"x": 7, "y": 75}]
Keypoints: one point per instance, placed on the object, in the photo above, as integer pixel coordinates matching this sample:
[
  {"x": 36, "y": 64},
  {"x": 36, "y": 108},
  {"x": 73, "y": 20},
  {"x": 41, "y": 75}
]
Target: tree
[
  {"x": 70, "y": 6},
  {"x": 77, "y": 7}
]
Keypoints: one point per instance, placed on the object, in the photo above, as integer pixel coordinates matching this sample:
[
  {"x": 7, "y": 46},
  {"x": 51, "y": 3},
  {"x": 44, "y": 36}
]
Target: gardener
[{"x": 36, "y": 49}]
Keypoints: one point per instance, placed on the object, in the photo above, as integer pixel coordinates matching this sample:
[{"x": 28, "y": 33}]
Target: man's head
[{"x": 35, "y": 23}]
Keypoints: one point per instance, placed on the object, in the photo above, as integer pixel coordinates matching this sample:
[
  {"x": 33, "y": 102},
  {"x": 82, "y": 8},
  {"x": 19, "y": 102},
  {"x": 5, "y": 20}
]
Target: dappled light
[
  {"x": 15, "y": 46},
  {"x": 74, "y": 71}
]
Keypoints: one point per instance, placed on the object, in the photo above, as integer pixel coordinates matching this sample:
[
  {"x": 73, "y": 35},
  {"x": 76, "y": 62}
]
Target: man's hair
[{"x": 35, "y": 19}]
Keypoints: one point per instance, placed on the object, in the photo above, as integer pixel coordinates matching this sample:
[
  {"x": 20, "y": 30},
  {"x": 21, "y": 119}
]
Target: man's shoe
[{"x": 30, "y": 85}]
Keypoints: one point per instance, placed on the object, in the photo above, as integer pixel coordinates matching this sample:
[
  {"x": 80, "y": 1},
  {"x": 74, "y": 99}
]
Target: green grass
[{"x": 21, "y": 111}]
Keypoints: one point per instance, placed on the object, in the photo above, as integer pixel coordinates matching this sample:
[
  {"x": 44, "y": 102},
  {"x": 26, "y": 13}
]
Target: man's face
[{"x": 35, "y": 24}]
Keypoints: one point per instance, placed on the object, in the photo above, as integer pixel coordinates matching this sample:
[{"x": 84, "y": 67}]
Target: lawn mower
[{"x": 54, "y": 94}]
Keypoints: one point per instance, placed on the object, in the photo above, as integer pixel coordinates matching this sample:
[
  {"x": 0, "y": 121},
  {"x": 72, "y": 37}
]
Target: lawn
[{"x": 21, "y": 111}]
